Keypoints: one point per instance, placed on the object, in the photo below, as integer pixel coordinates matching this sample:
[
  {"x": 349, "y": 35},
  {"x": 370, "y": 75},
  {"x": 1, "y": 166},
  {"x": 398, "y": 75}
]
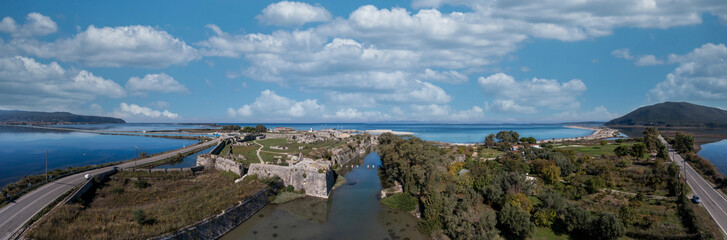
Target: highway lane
[
  {"x": 710, "y": 198},
  {"x": 14, "y": 215}
]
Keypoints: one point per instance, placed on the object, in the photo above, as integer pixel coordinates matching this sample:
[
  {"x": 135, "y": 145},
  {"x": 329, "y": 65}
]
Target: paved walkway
[{"x": 14, "y": 215}]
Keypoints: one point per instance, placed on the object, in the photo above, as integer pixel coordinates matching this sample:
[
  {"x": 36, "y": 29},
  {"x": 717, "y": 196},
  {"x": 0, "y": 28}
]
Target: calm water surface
[
  {"x": 23, "y": 150},
  {"x": 352, "y": 212},
  {"x": 716, "y": 153},
  {"x": 188, "y": 161}
]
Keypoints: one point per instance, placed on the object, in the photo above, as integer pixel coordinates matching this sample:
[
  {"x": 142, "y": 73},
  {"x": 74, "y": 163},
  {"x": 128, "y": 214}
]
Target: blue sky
[{"x": 444, "y": 61}]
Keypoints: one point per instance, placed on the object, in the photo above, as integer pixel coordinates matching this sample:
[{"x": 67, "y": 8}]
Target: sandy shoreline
[{"x": 600, "y": 132}]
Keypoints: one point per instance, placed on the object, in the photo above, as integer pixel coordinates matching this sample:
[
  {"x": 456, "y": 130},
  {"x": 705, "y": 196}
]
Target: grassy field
[
  {"x": 489, "y": 153},
  {"x": 598, "y": 150},
  {"x": 542, "y": 233},
  {"x": 293, "y": 146},
  {"x": 249, "y": 152},
  {"x": 126, "y": 208},
  {"x": 401, "y": 201}
]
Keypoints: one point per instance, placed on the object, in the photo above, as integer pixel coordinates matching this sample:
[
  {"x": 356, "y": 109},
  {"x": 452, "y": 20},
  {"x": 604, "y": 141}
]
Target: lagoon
[
  {"x": 716, "y": 153},
  {"x": 23, "y": 149}
]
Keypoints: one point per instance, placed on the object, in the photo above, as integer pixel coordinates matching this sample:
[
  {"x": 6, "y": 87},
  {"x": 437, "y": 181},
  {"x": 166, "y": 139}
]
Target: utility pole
[
  {"x": 137, "y": 156},
  {"x": 46, "y": 164}
]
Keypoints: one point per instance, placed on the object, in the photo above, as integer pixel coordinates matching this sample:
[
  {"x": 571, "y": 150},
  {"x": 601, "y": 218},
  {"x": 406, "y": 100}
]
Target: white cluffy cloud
[
  {"x": 287, "y": 13},
  {"x": 138, "y": 46},
  {"x": 155, "y": 83},
  {"x": 36, "y": 25},
  {"x": 136, "y": 110},
  {"x": 28, "y": 84},
  {"x": 700, "y": 76},
  {"x": 529, "y": 95},
  {"x": 641, "y": 60},
  {"x": 272, "y": 106}
]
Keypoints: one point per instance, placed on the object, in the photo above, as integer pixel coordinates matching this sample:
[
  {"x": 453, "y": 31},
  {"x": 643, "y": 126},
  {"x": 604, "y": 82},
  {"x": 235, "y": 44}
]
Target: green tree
[
  {"x": 248, "y": 129},
  {"x": 515, "y": 223},
  {"x": 619, "y": 141},
  {"x": 621, "y": 151},
  {"x": 684, "y": 143},
  {"x": 607, "y": 227},
  {"x": 260, "y": 128},
  {"x": 551, "y": 175},
  {"x": 544, "y": 217},
  {"x": 638, "y": 150},
  {"x": 490, "y": 140},
  {"x": 603, "y": 142}
]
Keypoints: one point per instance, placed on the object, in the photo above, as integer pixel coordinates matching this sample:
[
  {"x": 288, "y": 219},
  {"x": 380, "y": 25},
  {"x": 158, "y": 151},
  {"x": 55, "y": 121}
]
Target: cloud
[
  {"x": 28, "y": 84},
  {"x": 36, "y": 25},
  {"x": 155, "y": 83},
  {"x": 701, "y": 75},
  {"x": 353, "y": 114},
  {"x": 136, "y": 110},
  {"x": 648, "y": 60},
  {"x": 526, "y": 96},
  {"x": 574, "y": 20},
  {"x": 450, "y": 76},
  {"x": 622, "y": 53},
  {"x": 501, "y": 105},
  {"x": 440, "y": 112},
  {"x": 136, "y": 46},
  {"x": 287, "y": 13},
  {"x": 271, "y": 106}
]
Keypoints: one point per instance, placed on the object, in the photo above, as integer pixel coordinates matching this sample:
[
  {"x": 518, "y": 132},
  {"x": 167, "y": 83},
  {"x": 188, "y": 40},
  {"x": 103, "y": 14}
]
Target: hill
[
  {"x": 16, "y": 116},
  {"x": 674, "y": 114}
]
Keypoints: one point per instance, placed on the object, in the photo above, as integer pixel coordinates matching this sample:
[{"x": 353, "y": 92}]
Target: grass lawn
[
  {"x": 489, "y": 153},
  {"x": 401, "y": 201},
  {"x": 598, "y": 150},
  {"x": 542, "y": 233},
  {"x": 170, "y": 201},
  {"x": 293, "y": 146},
  {"x": 249, "y": 152}
]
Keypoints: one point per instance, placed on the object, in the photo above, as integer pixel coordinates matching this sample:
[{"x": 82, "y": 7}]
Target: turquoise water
[
  {"x": 23, "y": 150},
  {"x": 352, "y": 212},
  {"x": 455, "y": 133},
  {"x": 716, "y": 153},
  {"x": 188, "y": 161}
]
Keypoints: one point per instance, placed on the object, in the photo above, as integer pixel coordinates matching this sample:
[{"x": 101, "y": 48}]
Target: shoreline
[{"x": 599, "y": 132}]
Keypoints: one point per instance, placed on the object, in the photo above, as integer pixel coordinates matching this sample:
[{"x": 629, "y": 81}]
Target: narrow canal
[{"x": 352, "y": 212}]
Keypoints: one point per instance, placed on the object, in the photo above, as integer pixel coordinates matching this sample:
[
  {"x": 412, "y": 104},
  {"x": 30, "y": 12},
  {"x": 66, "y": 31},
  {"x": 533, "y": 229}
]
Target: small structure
[{"x": 283, "y": 129}]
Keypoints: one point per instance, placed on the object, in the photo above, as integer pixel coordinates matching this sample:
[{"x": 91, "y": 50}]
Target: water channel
[{"x": 353, "y": 211}]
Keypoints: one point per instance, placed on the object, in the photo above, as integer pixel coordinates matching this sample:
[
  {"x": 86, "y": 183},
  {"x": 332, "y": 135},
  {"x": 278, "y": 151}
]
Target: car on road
[{"x": 695, "y": 199}]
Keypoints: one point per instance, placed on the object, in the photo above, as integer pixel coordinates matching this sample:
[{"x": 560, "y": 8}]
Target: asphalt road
[
  {"x": 14, "y": 215},
  {"x": 712, "y": 200}
]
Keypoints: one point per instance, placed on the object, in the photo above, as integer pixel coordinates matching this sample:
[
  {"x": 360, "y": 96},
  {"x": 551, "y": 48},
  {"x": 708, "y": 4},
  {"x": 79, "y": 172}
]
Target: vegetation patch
[
  {"x": 401, "y": 201},
  {"x": 120, "y": 210}
]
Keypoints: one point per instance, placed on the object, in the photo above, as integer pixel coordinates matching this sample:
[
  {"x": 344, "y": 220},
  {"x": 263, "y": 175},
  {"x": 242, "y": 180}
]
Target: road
[
  {"x": 14, "y": 215},
  {"x": 258, "y": 152},
  {"x": 712, "y": 200}
]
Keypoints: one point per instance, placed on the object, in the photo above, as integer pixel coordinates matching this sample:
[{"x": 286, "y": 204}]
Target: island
[{"x": 17, "y": 117}]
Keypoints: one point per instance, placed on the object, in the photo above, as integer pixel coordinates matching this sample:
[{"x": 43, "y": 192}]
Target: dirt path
[{"x": 258, "y": 152}]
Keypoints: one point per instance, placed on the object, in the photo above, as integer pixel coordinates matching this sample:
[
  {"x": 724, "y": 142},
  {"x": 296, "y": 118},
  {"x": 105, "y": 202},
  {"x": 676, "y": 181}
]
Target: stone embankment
[
  {"x": 315, "y": 181},
  {"x": 210, "y": 161},
  {"x": 600, "y": 133},
  {"x": 315, "y": 177},
  {"x": 218, "y": 225}
]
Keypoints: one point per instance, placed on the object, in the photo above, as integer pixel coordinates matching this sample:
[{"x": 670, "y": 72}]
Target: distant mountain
[
  {"x": 674, "y": 114},
  {"x": 16, "y": 116}
]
